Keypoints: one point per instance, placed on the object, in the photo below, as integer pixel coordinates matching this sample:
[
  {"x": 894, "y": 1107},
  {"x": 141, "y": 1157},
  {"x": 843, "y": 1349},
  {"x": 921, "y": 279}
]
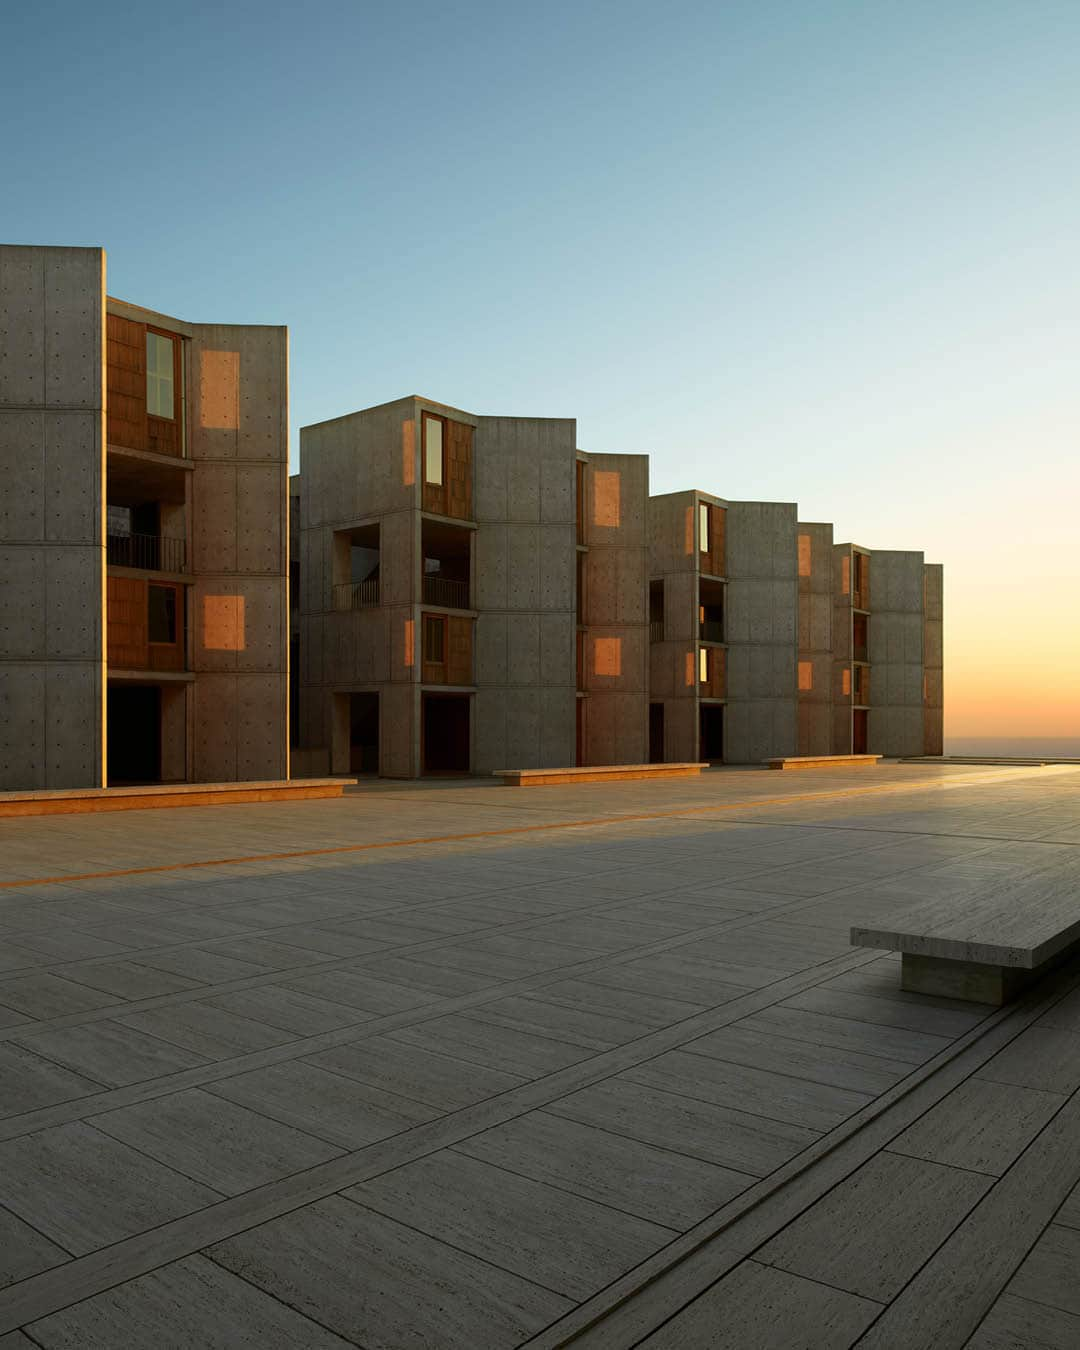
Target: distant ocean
[{"x": 1019, "y": 747}]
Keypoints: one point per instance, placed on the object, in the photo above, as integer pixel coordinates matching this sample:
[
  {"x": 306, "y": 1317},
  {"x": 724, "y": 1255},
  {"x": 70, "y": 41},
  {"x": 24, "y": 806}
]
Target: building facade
[
  {"x": 143, "y": 593},
  {"x": 472, "y": 595},
  {"x": 762, "y": 638}
]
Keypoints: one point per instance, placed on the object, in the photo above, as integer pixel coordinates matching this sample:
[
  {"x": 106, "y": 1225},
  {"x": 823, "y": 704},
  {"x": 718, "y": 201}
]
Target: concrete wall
[
  {"x": 933, "y": 660},
  {"x": 815, "y": 704},
  {"x": 524, "y": 560},
  {"x": 238, "y": 441},
  {"x": 52, "y": 555},
  {"x": 762, "y": 631},
  {"x": 896, "y": 653},
  {"x": 616, "y": 609}
]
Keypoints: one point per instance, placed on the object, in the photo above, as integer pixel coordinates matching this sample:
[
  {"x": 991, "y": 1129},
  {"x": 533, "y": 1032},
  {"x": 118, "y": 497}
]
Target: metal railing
[
  {"x": 151, "y": 552},
  {"x": 656, "y": 630},
  {"x": 447, "y": 593},
  {"x": 357, "y": 594}
]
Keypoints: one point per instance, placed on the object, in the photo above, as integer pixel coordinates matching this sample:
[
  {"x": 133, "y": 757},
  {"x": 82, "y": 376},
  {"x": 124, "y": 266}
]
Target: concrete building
[
  {"x": 723, "y": 609},
  {"x": 762, "y": 640},
  {"x": 143, "y": 544},
  {"x": 472, "y": 595}
]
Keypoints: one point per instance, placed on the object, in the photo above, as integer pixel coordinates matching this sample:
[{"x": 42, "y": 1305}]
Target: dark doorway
[
  {"x": 446, "y": 733},
  {"x": 134, "y": 734},
  {"x": 656, "y": 733},
  {"x": 711, "y": 743},
  {"x": 363, "y": 733},
  {"x": 858, "y": 731}
]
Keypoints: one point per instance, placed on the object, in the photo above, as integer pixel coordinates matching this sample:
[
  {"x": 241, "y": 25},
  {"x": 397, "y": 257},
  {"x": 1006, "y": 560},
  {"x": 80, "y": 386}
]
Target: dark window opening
[
  {"x": 711, "y": 740},
  {"x": 446, "y": 733},
  {"x": 134, "y": 734},
  {"x": 434, "y": 639},
  {"x": 363, "y": 733},
  {"x": 656, "y": 733},
  {"x": 447, "y": 552},
  {"x": 161, "y": 614}
]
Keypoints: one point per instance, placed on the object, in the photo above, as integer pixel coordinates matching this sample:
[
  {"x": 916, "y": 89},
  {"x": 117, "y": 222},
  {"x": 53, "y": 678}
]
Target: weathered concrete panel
[
  {"x": 897, "y": 619},
  {"x": 51, "y": 547},
  {"x": 762, "y": 631}
]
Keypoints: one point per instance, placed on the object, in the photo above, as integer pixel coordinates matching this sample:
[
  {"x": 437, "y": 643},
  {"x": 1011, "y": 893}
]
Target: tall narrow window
[
  {"x": 161, "y": 613},
  {"x": 703, "y": 665},
  {"x": 434, "y": 640},
  {"x": 160, "y": 376},
  {"x": 703, "y": 527},
  {"x": 804, "y": 555},
  {"x": 433, "y": 451},
  {"x": 806, "y": 675}
]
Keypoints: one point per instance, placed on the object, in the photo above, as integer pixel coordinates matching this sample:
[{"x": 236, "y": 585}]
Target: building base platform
[{"x": 74, "y": 801}]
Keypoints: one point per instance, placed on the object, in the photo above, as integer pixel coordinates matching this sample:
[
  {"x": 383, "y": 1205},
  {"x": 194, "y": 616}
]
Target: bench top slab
[
  {"x": 1023, "y": 923},
  {"x": 820, "y": 761},
  {"x": 595, "y": 773}
]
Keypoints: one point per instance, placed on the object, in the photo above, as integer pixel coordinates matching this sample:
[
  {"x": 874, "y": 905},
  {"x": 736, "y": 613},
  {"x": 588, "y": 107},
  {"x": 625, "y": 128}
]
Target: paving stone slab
[
  {"x": 731, "y": 1139},
  {"x": 892, "y": 1043},
  {"x": 113, "y": 1054},
  {"x": 981, "y": 1125},
  {"x": 83, "y": 1189},
  {"x": 739, "y": 1044},
  {"x": 493, "y": 1045},
  {"x": 755, "y": 1308},
  {"x": 1051, "y": 1272},
  {"x": 545, "y": 1234},
  {"x": 215, "y": 1140},
  {"x": 206, "y": 1030},
  {"x": 382, "y": 1285},
  {"x": 1041, "y": 1057},
  {"x": 24, "y": 1251},
  {"x": 330, "y": 1106},
  {"x": 191, "y": 1303},
  {"x": 409, "y": 1071},
  {"x": 657, "y": 1184},
  {"x": 796, "y": 1101},
  {"x": 874, "y": 1230},
  {"x": 1017, "y": 1324}
]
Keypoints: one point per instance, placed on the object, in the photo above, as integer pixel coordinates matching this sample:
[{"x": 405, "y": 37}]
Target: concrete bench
[
  {"x": 603, "y": 773},
  {"x": 985, "y": 948},
  {"x": 821, "y": 761},
  {"x": 78, "y": 801}
]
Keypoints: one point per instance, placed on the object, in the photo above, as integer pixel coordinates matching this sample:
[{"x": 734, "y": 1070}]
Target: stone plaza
[{"x": 439, "y": 1064}]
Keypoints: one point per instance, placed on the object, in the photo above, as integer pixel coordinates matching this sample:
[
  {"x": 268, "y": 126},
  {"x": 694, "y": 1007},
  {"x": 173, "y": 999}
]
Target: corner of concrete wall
[
  {"x": 52, "y": 543},
  {"x": 238, "y": 441},
  {"x": 761, "y": 624}
]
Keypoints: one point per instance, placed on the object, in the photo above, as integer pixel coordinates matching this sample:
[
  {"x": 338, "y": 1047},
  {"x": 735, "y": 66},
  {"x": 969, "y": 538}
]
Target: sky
[{"x": 817, "y": 252}]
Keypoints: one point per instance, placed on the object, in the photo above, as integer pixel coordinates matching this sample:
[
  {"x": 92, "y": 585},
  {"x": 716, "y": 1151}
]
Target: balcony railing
[
  {"x": 357, "y": 594},
  {"x": 151, "y": 552},
  {"x": 656, "y": 630},
  {"x": 446, "y": 593},
  {"x": 712, "y": 630}
]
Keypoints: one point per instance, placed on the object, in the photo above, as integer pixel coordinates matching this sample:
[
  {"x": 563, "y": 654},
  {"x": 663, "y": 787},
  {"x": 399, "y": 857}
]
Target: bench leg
[{"x": 966, "y": 980}]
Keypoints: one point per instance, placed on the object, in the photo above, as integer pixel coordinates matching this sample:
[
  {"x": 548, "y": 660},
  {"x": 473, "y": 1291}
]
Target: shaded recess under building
[{"x": 143, "y": 532}]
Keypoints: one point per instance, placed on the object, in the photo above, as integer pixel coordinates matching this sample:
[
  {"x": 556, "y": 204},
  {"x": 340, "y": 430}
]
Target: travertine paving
[{"x": 434, "y": 1065}]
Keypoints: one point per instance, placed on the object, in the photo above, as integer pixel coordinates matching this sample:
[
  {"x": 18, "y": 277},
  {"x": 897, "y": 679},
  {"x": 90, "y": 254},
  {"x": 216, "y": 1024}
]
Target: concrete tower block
[{"x": 52, "y": 555}]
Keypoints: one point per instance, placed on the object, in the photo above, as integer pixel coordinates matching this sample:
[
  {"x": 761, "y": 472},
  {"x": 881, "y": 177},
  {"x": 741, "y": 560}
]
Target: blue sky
[{"x": 814, "y": 251}]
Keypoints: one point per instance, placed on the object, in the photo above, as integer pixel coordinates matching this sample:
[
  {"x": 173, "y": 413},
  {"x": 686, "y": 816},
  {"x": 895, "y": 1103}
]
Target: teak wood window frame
[
  {"x": 175, "y": 339},
  {"x": 431, "y": 622},
  {"x": 425, "y": 418}
]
